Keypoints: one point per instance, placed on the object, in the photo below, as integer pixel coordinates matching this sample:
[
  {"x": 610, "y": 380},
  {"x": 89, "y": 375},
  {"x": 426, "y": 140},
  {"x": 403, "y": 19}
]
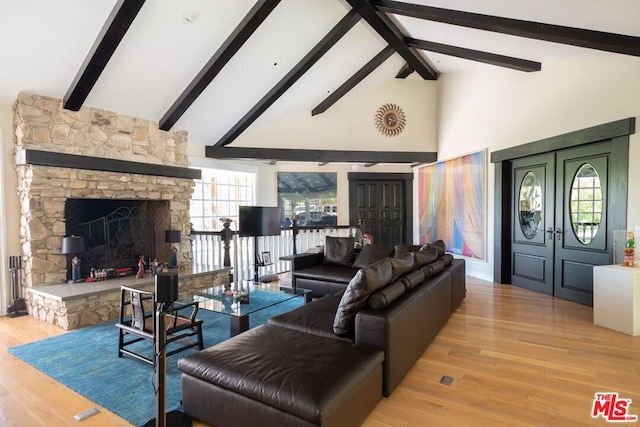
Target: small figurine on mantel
[
  {"x": 174, "y": 257},
  {"x": 141, "y": 266},
  {"x": 155, "y": 265},
  {"x": 75, "y": 268}
]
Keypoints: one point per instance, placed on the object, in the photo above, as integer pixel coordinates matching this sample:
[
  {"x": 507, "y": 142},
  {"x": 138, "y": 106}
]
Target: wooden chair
[{"x": 180, "y": 323}]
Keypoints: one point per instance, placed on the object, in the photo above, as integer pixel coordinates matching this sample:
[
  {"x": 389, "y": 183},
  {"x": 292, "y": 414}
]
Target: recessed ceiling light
[{"x": 189, "y": 17}]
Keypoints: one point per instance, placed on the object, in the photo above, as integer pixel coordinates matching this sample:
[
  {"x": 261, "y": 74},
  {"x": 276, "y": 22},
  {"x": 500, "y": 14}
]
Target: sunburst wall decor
[{"x": 390, "y": 120}]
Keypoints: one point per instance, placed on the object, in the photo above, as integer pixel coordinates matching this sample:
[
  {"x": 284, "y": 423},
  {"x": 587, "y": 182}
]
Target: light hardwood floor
[{"x": 516, "y": 357}]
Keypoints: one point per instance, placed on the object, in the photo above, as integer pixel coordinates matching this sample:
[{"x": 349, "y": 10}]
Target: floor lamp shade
[
  {"x": 72, "y": 245},
  {"x": 173, "y": 236}
]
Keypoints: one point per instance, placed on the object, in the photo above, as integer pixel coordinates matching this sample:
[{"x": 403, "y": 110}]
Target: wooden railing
[{"x": 211, "y": 249}]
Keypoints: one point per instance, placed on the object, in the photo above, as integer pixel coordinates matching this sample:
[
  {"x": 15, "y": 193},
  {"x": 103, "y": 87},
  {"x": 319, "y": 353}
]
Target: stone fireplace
[{"x": 66, "y": 157}]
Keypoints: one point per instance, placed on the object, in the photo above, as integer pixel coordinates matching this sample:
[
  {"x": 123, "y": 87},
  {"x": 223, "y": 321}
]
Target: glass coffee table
[{"x": 240, "y": 302}]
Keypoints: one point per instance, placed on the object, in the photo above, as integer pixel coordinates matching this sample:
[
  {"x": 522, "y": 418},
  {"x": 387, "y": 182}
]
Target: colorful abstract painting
[{"x": 452, "y": 204}]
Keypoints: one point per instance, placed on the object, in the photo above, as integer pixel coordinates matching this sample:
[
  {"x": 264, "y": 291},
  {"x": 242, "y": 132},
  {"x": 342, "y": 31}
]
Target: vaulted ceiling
[{"x": 218, "y": 67}]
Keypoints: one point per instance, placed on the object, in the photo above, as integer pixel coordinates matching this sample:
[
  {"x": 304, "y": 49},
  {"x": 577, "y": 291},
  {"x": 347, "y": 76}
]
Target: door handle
[
  {"x": 550, "y": 233},
  {"x": 558, "y": 233}
]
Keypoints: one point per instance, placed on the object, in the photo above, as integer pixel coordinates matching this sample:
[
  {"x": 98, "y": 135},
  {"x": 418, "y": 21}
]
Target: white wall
[
  {"x": 349, "y": 124},
  {"x": 9, "y": 242},
  {"x": 499, "y": 108}
]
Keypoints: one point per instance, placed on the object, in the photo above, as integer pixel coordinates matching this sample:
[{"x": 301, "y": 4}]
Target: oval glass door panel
[
  {"x": 586, "y": 204},
  {"x": 530, "y": 205}
]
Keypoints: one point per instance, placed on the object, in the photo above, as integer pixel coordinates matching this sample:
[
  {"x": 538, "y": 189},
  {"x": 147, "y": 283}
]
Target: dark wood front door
[
  {"x": 381, "y": 204},
  {"x": 561, "y": 225}
]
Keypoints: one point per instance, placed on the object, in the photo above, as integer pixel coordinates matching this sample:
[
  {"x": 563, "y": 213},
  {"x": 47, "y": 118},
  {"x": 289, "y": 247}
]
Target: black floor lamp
[{"x": 166, "y": 293}]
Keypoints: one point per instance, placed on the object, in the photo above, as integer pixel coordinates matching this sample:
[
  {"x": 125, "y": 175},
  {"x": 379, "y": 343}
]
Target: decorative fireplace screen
[{"x": 117, "y": 239}]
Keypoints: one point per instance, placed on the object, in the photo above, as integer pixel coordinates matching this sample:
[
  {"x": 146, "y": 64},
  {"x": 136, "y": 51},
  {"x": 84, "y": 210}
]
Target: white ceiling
[{"x": 43, "y": 44}]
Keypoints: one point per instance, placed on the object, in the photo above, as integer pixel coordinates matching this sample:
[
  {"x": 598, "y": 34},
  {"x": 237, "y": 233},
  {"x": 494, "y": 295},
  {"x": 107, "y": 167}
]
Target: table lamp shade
[
  {"x": 173, "y": 236},
  {"x": 72, "y": 245}
]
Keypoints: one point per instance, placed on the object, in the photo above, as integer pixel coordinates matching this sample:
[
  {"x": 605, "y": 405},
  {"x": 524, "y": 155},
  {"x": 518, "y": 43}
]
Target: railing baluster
[{"x": 207, "y": 249}]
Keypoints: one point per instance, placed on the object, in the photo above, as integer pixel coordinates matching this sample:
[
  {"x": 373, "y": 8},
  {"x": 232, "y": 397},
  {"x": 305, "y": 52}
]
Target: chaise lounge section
[{"x": 272, "y": 376}]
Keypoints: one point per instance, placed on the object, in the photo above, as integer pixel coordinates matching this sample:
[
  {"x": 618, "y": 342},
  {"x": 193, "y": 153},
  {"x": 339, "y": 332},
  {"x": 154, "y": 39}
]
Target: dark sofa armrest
[{"x": 299, "y": 261}]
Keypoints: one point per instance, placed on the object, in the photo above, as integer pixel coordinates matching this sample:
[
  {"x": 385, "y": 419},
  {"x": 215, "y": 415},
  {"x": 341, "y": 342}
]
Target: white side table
[{"x": 616, "y": 298}]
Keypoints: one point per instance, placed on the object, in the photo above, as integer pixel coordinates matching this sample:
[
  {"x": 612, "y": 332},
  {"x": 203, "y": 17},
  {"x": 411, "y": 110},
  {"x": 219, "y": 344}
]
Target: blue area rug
[{"x": 86, "y": 360}]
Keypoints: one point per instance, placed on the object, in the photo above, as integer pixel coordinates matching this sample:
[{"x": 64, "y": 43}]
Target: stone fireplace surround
[{"x": 59, "y": 155}]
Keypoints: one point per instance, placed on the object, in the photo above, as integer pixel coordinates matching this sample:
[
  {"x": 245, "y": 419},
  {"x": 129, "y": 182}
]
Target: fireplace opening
[{"x": 117, "y": 232}]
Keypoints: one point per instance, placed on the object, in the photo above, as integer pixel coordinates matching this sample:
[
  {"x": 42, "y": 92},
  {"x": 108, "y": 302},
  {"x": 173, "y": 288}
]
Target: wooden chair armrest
[{"x": 181, "y": 306}]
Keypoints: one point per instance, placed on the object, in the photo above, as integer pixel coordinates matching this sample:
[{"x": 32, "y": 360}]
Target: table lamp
[{"x": 73, "y": 245}]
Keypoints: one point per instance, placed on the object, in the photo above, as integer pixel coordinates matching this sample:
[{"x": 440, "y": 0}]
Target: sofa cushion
[
  {"x": 338, "y": 250},
  {"x": 366, "y": 281},
  {"x": 385, "y": 296},
  {"x": 413, "y": 279},
  {"x": 401, "y": 265},
  {"x": 425, "y": 256},
  {"x": 315, "y": 317},
  {"x": 399, "y": 250},
  {"x": 370, "y": 254}
]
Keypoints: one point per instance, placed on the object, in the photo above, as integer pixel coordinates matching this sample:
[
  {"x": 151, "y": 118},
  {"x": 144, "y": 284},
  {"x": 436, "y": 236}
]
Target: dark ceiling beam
[
  {"x": 404, "y": 72},
  {"x": 391, "y": 34},
  {"x": 113, "y": 30},
  {"x": 476, "y": 55},
  {"x": 327, "y": 42},
  {"x": 353, "y": 80},
  {"x": 599, "y": 40},
  {"x": 249, "y": 24},
  {"x": 334, "y": 156}
]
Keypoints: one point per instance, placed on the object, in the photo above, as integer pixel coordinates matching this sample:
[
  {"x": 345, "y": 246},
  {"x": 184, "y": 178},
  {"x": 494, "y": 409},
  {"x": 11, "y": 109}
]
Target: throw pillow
[
  {"x": 339, "y": 250},
  {"x": 370, "y": 254},
  {"x": 366, "y": 281},
  {"x": 425, "y": 256},
  {"x": 439, "y": 245},
  {"x": 399, "y": 250},
  {"x": 402, "y": 265},
  {"x": 385, "y": 296}
]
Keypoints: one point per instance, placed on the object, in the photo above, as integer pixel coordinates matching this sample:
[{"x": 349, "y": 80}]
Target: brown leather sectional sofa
[{"x": 329, "y": 362}]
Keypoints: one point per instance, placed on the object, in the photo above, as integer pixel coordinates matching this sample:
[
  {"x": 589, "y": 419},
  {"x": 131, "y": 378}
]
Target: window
[
  {"x": 586, "y": 203},
  {"x": 218, "y": 195}
]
